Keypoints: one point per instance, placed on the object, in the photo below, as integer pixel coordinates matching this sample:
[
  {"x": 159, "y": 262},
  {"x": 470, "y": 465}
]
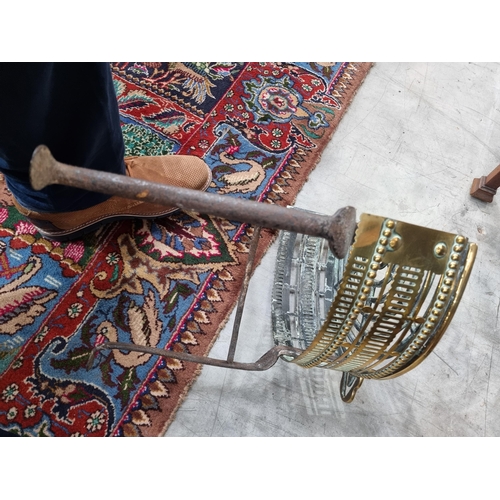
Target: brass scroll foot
[{"x": 349, "y": 386}]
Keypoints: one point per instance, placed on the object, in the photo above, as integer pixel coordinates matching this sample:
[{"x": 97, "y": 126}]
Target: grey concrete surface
[{"x": 409, "y": 147}]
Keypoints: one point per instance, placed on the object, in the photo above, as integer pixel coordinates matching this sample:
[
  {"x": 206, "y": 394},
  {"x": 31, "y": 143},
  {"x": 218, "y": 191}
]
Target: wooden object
[{"x": 485, "y": 188}]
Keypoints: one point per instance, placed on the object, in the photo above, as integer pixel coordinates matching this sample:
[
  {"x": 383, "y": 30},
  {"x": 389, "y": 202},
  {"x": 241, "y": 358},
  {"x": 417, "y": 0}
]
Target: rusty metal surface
[{"x": 338, "y": 229}]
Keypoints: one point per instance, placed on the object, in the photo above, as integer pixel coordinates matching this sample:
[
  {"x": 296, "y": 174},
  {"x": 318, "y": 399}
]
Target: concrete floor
[{"x": 409, "y": 147}]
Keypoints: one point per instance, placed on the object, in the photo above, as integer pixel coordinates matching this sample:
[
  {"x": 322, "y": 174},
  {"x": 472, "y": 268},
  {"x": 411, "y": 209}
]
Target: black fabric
[{"x": 72, "y": 109}]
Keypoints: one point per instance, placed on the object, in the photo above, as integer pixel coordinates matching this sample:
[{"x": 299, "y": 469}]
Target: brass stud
[
  {"x": 374, "y": 266},
  {"x": 455, "y": 256},
  {"x": 362, "y": 297},
  {"x": 368, "y": 282},
  {"x": 380, "y": 249},
  {"x": 439, "y": 305},
  {"x": 453, "y": 265},
  {"x": 390, "y": 224},
  {"x": 359, "y": 304},
  {"x": 377, "y": 258},
  {"x": 366, "y": 290},
  {"x": 460, "y": 239},
  {"x": 448, "y": 281},
  {"x": 429, "y": 326},
  {"x": 372, "y": 274},
  {"x": 440, "y": 249},
  {"x": 445, "y": 289},
  {"x": 383, "y": 241},
  {"x": 458, "y": 248},
  {"x": 450, "y": 273},
  {"x": 386, "y": 232},
  {"x": 436, "y": 312},
  {"x": 442, "y": 297},
  {"x": 395, "y": 243}
]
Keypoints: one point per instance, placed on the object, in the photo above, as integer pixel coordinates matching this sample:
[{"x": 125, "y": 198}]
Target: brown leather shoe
[{"x": 182, "y": 171}]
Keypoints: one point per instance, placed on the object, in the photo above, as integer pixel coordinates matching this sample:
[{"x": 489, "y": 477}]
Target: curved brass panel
[{"x": 400, "y": 289}]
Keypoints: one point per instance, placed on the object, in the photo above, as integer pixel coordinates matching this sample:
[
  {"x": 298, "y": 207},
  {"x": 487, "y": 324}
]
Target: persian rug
[{"x": 168, "y": 283}]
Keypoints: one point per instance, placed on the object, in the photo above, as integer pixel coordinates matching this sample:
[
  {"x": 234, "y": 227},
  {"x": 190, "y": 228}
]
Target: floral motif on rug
[{"x": 169, "y": 283}]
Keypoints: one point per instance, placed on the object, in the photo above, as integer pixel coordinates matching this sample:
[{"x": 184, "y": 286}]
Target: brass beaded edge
[{"x": 332, "y": 336}]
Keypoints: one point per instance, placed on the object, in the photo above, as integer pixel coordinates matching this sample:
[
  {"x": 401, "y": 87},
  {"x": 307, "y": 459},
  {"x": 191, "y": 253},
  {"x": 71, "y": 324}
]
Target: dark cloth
[{"x": 72, "y": 109}]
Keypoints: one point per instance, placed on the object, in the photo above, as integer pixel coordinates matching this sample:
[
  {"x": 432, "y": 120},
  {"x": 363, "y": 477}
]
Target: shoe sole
[{"x": 63, "y": 236}]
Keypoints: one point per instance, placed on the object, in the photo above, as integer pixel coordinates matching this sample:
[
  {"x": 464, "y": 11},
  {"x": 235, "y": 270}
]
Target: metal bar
[
  {"x": 243, "y": 293},
  {"x": 263, "y": 363},
  {"x": 337, "y": 229}
]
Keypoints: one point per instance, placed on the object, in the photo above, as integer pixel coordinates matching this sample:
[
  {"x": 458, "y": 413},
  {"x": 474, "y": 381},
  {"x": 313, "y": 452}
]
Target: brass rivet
[
  {"x": 366, "y": 290},
  {"x": 380, "y": 249},
  {"x": 383, "y": 241},
  {"x": 377, "y": 258},
  {"x": 368, "y": 282},
  {"x": 362, "y": 297},
  {"x": 455, "y": 256},
  {"x": 359, "y": 304},
  {"x": 442, "y": 297},
  {"x": 374, "y": 266},
  {"x": 440, "y": 249},
  {"x": 395, "y": 243},
  {"x": 453, "y": 265},
  {"x": 390, "y": 223},
  {"x": 372, "y": 274},
  {"x": 429, "y": 326},
  {"x": 448, "y": 281},
  {"x": 436, "y": 312},
  {"x": 458, "y": 248},
  {"x": 450, "y": 273},
  {"x": 460, "y": 239},
  {"x": 445, "y": 289},
  {"x": 439, "y": 305},
  {"x": 386, "y": 232}
]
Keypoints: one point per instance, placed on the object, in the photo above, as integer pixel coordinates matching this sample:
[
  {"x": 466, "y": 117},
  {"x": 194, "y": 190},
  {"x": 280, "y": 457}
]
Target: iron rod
[
  {"x": 338, "y": 229},
  {"x": 243, "y": 293},
  {"x": 265, "y": 362}
]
